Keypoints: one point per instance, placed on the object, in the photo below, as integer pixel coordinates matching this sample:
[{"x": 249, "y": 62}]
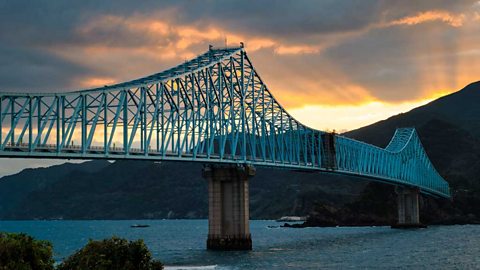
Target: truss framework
[{"x": 214, "y": 108}]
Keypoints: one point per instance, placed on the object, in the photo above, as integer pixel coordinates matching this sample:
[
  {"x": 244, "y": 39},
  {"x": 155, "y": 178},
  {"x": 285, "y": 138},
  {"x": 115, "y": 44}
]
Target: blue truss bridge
[{"x": 214, "y": 109}]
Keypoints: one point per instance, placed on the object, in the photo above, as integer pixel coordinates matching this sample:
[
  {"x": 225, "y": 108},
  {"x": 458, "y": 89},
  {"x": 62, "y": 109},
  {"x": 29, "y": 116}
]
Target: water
[{"x": 180, "y": 244}]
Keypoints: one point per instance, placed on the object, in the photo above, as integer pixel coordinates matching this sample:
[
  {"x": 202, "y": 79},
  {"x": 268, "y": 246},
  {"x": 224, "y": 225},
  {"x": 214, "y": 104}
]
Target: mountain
[
  {"x": 449, "y": 129},
  {"x": 143, "y": 190},
  {"x": 15, "y": 188},
  {"x": 460, "y": 109}
]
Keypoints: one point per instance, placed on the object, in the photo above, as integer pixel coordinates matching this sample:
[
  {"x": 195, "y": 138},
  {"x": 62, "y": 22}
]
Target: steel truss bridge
[{"x": 212, "y": 109}]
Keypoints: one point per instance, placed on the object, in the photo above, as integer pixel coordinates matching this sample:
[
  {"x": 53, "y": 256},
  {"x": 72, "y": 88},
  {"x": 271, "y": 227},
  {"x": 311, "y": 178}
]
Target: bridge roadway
[{"x": 213, "y": 109}]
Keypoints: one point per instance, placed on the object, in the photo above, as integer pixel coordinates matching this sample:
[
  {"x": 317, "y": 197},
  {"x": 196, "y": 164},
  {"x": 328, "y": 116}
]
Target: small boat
[
  {"x": 291, "y": 219},
  {"x": 139, "y": 226}
]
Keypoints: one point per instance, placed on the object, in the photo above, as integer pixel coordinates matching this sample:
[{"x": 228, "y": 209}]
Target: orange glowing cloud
[
  {"x": 176, "y": 40},
  {"x": 429, "y": 16},
  {"x": 300, "y": 49},
  {"x": 476, "y": 16},
  {"x": 96, "y": 82}
]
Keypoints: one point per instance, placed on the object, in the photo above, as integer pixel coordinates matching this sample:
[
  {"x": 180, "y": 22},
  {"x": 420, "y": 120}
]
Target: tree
[
  {"x": 113, "y": 253},
  {"x": 23, "y": 252}
]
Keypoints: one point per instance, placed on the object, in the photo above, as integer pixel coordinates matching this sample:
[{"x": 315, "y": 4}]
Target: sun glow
[
  {"x": 96, "y": 82},
  {"x": 342, "y": 118}
]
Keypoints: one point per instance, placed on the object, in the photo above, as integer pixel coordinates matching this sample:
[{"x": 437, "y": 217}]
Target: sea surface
[{"x": 180, "y": 244}]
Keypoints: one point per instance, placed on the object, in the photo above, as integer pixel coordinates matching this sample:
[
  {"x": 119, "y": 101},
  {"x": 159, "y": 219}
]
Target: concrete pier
[
  {"x": 408, "y": 208},
  {"x": 228, "y": 206}
]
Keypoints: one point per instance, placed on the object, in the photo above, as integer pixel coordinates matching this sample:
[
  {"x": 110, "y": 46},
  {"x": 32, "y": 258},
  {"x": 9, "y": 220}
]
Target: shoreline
[
  {"x": 303, "y": 225},
  {"x": 293, "y": 224}
]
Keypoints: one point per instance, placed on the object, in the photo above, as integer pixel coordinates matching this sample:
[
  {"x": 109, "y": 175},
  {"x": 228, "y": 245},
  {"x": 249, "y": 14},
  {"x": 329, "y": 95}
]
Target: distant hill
[
  {"x": 449, "y": 129},
  {"x": 14, "y": 188},
  {"x": 461, "y": 109},
  {"x": 144, "y": 190}
]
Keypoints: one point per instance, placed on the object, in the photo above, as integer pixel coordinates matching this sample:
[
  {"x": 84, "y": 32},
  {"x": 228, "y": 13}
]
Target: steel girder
[{"x": 214, "y": 108}]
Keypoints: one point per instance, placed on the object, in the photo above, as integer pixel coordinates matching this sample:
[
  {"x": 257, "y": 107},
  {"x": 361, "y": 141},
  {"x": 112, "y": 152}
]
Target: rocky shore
[{"x": 377, "y": 207}]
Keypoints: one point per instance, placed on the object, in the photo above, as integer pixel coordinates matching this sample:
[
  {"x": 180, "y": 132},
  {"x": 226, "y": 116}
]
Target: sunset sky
[{"x": 332, "y": 64}]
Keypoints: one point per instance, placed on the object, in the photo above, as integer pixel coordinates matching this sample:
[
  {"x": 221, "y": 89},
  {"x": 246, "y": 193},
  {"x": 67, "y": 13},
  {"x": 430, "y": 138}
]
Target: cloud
[
  {"x": 299, "y": 49},
  {"x": 476, "y": 16},
  {"x": 173, "y": 40},
  {"x": 91, "y": 82},
  {"x": 309, "y": 51},
  {"x": 429, "y": 16},
  {"x": 30, "y": 70}
]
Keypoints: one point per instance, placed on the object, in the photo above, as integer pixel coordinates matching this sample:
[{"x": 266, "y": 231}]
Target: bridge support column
[
  {"x": 408, "y": 208},
  {"x": 228, "y": 206}
]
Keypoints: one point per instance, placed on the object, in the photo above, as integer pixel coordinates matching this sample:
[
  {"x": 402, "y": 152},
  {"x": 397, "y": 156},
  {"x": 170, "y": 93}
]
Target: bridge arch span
[{"x": 213, "y": 108}]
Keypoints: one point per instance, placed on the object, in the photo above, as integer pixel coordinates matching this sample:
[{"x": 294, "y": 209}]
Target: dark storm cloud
[
  {"x": 30, "y": 70},
  {"x": 304, "y": 18},
  {"x": 31, "y": 31},
  {"x": 286, "y": 18},
  {"x": 50, "y": 22}
]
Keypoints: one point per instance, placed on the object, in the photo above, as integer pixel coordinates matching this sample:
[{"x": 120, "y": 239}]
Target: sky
[{"x": 332, "y": 64}]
